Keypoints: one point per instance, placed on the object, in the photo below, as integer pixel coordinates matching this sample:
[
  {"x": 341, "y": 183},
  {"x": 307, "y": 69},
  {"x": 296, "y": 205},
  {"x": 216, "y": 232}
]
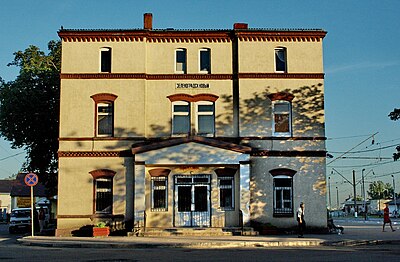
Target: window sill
[{"x": 283, "y": 215}]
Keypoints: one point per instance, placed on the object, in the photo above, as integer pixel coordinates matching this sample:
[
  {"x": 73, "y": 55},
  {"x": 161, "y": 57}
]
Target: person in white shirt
[{"x": 300, "y": 220}]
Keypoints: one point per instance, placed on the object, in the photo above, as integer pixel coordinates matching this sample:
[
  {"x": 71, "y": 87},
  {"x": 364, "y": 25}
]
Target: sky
[{"x": 361, "y": 63}]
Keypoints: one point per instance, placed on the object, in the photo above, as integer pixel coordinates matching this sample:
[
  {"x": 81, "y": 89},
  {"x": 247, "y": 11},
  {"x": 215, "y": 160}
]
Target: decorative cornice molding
[
  {"x": 102, "y": 173},
  {"x": 125, "y": 153},
  {"x": 191, "y": 36},
  {"x": 283, "y": 75},
  {"x": 282, "y": 36},
  {"x": 293, "y": 153},
  {"x": 190, "y": 76},
  {"x": 104, "y": 97},
  {"x": 281, "y": 96},
  {"x": 193, "y": 98}
]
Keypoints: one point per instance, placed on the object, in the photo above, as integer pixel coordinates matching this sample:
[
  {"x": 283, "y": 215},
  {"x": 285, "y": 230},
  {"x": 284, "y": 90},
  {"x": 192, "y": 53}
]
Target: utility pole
[
  {"x": 354, "y": 189},
  {"x": 329, "y": 185},
  {"x": 363, "y": 192},
  {"x": 337, "y": 198},
  {"x": 394, "y": 197}
]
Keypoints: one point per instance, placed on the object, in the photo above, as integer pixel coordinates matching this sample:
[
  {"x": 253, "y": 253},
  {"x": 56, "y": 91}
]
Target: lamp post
[{"x": 394, "y": 197}]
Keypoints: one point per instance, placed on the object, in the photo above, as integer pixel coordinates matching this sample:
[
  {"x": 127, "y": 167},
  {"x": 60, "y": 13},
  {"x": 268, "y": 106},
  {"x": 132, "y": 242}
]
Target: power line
[
  {"x": 351, "y": 149},
  {"x": 20, "y": 153},
  {"x": 364, "y": 151}
]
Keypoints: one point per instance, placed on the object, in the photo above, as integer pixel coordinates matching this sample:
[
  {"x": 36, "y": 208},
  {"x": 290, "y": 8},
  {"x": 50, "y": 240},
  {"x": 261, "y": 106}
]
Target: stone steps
[{"x": 204, "y": 231}]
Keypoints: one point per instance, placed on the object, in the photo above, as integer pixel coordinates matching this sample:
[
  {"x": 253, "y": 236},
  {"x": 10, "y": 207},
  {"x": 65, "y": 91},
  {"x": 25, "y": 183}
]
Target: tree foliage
[
  {"x": 29, "y": 110},
  {"x": 380, "y": 190},
  {"x": 395, "y": 115}
]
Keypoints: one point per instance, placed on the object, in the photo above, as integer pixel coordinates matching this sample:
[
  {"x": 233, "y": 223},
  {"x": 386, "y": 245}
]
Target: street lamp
[{"x": 394, "y": 197}]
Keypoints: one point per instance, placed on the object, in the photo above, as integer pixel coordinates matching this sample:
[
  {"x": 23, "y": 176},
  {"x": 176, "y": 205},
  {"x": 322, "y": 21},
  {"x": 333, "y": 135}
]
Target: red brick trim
[
  {"x": 102, "y": 173},
  {"x": 282, "y": 36},
  {"x": 282, "y": 171},
  {"x": 283, "y": 75},
  {"x": 190, "y": 76},
  {"x": 104, "y": 97},
  {"x": 294, "y": 153},
  {"x": 93, "y": 154},
  {"x": 281, "y": 96},
  {"x": 193, "y": 98},
  {"x": 159, "y": 172}
]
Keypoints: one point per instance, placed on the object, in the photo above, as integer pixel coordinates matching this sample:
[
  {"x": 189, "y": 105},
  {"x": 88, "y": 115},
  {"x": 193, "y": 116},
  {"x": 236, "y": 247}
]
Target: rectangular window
[
  {"x": 105, "y": 119},
  {"x": 105, "y": 64},
  {"x": 280, "y": 60},
  {"x": 283, "y": 203},
  {"x": 282, "y": 118},
  {"x": 226, "y": 193},
  {"x": 104, "y": 195},
  {"x": 205, "y": 121},
  {"x": 205, "y": 61},
  {"x": 180, "y": 118},
  {"x": 180, "y": 64},
  {"x": 159, "y": 194}
]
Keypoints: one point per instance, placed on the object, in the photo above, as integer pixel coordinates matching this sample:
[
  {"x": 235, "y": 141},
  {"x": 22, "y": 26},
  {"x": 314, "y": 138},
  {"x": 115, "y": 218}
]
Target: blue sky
[{"x": 361, "y": 59}]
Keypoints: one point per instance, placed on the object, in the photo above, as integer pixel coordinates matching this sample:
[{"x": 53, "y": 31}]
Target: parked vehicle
[{"x": 20, "y": 220}]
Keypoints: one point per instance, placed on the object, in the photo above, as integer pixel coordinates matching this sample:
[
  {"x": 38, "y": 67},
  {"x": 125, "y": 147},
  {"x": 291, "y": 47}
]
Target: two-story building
[{"x": 191, "y": 128}]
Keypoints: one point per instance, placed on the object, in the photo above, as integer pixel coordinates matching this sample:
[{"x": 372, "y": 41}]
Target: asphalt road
[{"x": 10, "y": 250}]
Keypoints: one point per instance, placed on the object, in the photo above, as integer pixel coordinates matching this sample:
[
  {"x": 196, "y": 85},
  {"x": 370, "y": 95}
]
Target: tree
[
  {"x": 395, "y": 115},
  {"x": 29, "y": 110},
  {"x": 379, "y": 190}
]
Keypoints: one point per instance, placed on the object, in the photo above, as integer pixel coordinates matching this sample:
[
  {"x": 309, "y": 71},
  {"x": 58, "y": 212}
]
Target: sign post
[{"x": 31, "y": 180}]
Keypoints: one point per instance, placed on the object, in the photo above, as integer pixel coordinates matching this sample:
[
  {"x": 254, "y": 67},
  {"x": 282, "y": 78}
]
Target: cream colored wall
[
  {"x": 75, "y": 190},
  {"x": 161, "y": 57},
  {"x": 77, "y": 108},
  {"x": 307, "y": 106},
  {"x": 5, "y": 202},
  {"x": 309, "y": 186},
  {"x": 259, "y": 56},
  {"x": 127, "y": 57}
]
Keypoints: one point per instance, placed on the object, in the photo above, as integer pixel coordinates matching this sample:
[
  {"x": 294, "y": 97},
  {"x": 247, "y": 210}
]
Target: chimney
[
  {"x": 240, "y": 26},
  {"x": 148, "y": 21}
]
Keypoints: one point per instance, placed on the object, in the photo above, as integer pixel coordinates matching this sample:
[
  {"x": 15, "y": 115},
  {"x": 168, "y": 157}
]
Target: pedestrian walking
[
  {"x": 41, "y": 219},
  {"x": 301, "y": 223},
  {"x": 386, "y": 218}
]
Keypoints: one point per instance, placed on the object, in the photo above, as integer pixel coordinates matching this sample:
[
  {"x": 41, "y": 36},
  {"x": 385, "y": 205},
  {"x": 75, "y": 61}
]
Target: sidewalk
[{"x": 355, "y": 233}]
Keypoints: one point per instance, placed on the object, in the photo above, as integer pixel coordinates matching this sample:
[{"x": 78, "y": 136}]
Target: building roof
[
  {"x": 20, "y": 189},
  {"x": 6, "y": 185}
]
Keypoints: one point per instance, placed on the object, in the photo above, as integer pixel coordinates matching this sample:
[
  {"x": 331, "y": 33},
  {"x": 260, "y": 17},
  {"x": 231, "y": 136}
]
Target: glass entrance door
[{"x": 192, "y": 201}]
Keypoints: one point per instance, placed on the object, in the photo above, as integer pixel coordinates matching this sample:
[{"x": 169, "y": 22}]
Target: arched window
[
  {"x": 103, "y": 190},
  {"x": 104, "y": 122},
  {"x": 282, "y": 118},
  {"x": 283, "y": 191},
  {"x": 105, "y": 60},
  {"x": 180, "y": 61},
  {"x": 205, "y": 61},
  {"x": 280, "y": 60}
]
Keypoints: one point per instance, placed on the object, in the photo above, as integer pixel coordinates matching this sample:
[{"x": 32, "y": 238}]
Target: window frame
[
  {"x": 274, "y": 114},
  {"x": 188, "y": 114},
  {"x": 232, "y": 187},
  {"x": 184, "y": 67},
  {"x": 208, "y": 71},
  {"x": 282, "y": 211},
  {"x": 98, "y": 114},
  {"x": 160, "y": 188},
  {"x": 109, "y": 63},
  {"x": 109, "y": 190},
  {"x": 208, "y": 113},
  {"x": 276, "y": 57}
]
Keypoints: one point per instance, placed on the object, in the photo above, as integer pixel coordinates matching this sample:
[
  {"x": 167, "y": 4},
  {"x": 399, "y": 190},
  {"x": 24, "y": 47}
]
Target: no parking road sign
[{"x": 31, "y": 179}]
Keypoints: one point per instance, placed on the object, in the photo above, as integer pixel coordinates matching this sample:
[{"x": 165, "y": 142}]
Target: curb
[{"x": 199, "y": 245}]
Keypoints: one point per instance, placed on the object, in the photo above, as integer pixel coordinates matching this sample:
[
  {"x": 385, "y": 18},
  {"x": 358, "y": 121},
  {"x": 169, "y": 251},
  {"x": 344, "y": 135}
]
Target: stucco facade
[{"x": 187, "y": 128}]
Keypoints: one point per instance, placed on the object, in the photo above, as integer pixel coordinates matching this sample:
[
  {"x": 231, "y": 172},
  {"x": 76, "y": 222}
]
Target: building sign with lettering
[{"x": 192, "y": 85}]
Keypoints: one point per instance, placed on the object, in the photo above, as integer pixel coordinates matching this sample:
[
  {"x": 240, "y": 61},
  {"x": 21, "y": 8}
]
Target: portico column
[{"x": 139, "y": 194}]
